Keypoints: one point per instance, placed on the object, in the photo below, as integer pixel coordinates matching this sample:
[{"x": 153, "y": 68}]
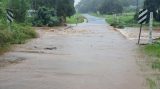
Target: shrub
[
  {"x": 54, "y": 21},
  {"x": 21, "y": 33},
  {"x": 46, "y": 16},
  {"x": 5, "y": 37}
]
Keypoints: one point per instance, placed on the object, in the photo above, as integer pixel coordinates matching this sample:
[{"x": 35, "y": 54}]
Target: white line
[
  {"x": 10, "y": 18},
  {"x": 143, "y": 13},
  {"x": 142, "y": 19}
]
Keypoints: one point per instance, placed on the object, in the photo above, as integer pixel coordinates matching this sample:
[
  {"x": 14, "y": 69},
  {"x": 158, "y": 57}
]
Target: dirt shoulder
[{"x": 132, "y": 33}]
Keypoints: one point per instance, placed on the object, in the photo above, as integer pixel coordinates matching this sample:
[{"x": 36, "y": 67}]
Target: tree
[
  {"x": 3, "y": 4},
  {"x": 45, "y": 16},
  {"x": 36, "y": 4},
  {"x": 19, "y": 8},
  {"x": 110, "y": 7},
  {"x": 153, "y": 6},
  {"x": 86, "y": 6},
  {"x": 65, "y": 8}
]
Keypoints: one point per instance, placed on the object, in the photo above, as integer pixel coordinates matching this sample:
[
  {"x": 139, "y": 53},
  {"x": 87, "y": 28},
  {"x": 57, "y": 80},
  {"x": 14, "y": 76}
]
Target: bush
[
  {"x": 77, "y": 18},
  {"x": 18, "y": 35},
  {"x": 37, "y": 23},
  {"x": 46, "y": 16},
  {"x": 21, "y": 33},
  {"x": 54, "y": 21},
  {"x": 5, "y": 37}
]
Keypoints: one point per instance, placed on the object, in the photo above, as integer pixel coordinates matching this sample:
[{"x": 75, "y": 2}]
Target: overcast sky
[{"x": 76, "y": 1}]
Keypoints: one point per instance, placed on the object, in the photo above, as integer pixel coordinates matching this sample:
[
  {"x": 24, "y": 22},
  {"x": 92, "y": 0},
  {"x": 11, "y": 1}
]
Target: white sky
[{"x": 76, "y": 1}]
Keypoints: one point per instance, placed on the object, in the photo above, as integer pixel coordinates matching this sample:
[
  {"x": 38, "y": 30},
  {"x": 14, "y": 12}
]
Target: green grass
[
  {"x": 18, "y": 35},
  {"x": 121, "y": 20},
  {"x": 77, "y": 18},
  {"x": 156, "y": 24},
  {"x": 124, "y": 20},
  {"x": 153, "y": 51},
  {"x": 152, "y": 83}
]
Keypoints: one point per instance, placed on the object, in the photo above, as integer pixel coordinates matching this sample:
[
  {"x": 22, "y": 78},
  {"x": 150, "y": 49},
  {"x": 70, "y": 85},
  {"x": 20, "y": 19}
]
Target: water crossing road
[{"x": 92, "y": 56}]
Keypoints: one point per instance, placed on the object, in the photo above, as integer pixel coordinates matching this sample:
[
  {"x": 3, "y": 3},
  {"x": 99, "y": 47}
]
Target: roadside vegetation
[
  {"x": 152, "y": 61},
  {"x": 124, "y": 20},
  {"x": 120, "y": 20},
  {"x": 153, "y": 51},
  {"x": 120, "y": 13},
  {"x": 77, "y": 18},
  {"x": 28, "y": 13},
  {"x": 20, "y": 30}
]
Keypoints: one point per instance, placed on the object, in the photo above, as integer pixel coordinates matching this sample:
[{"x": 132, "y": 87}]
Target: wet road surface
[{"x": 92, "y": 56}]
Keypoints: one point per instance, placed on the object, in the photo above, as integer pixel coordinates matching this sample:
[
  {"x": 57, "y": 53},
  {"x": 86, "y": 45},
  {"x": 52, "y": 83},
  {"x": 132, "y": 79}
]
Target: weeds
[
  {"x": 18, "y": 35},
  {"x": 153, "y": 53},
  {"x": 153, "y": 50},
  {"x": 77, "y": 18},
  {"x": 152, "y": 83},
  {"x": 124, "y": 20}
]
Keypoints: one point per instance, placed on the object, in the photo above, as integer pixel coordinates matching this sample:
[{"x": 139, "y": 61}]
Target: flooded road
[{"x": 89, "y": 56}]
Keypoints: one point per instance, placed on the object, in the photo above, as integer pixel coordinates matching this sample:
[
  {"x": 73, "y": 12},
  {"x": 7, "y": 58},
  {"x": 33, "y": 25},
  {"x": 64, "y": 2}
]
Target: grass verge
[
  {"x": 123, "y": 20},
  {"x": 153, "y": 62},
  {"x": 151, "y": 83},
  {"x": 18, "y": 35},
  {"x": 153, "y": 51},
  {"x": 77, "y": 18}
]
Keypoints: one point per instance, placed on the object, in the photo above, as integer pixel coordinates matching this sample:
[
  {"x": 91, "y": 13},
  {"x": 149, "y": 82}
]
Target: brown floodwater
[{"x": 90, "y": 56}]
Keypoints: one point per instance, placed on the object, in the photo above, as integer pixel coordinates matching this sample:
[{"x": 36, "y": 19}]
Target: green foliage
[
  {"x": 87, "y": 6},
  {"x": 36, "y": 4},
  {"x": 156, "y": 64},
  {"x": 77, "y": 18},
  {"x": 19, "y": 34},
  {"x": 5, "y": 37},
  {"x": 110, "y": 7},
  {"x": 63, "y": 9},
  {"x": 46, "y": 16},
  {"x": 54, "y": 21},
  {"x": 152, "y": 83},
  {"x": 19, "y": 8},
  {"x": 122, "y": 20},
  {"x": 154, "y": 6},
  {"x": 154, "y": 51}
]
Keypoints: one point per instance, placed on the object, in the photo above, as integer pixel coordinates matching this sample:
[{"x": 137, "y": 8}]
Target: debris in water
[{"x": 53, "y": 48}]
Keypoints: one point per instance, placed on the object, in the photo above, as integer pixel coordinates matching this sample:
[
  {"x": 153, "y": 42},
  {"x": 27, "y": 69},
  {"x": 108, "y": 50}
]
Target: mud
[{"x": 90, "y": 56}]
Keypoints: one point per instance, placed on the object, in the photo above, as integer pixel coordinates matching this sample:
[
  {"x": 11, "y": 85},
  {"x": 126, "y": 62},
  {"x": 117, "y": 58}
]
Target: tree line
[
  {"x": 154, "y": 6},
  {"x": 118, "y": 6},
  {"x": 44, "y": 12},
  {"x": 107, "y": 6}
]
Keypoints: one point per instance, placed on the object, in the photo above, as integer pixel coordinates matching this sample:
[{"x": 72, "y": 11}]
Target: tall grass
[
  {"x": 154, "y": 52},
  {"x": 77, "y": 18},
  {"x": 17, "y": 35},
  {"x": 124, "y": 20}
]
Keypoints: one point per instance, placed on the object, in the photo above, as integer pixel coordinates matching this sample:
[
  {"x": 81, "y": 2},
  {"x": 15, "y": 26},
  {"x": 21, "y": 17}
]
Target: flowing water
[{"x": 90, "y": 56}]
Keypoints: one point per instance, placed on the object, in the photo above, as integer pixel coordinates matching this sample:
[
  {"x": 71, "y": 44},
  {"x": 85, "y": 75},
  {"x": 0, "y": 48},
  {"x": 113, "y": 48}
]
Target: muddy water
[{"x": 89, "y": 56}]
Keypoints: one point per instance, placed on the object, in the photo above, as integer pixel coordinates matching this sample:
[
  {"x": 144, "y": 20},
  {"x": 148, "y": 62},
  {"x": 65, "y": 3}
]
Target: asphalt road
[{"x": 91, "y": 56}]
